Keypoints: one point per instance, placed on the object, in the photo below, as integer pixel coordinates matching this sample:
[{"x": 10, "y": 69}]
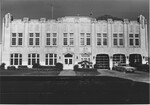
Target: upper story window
[
  {"x": 16, "y": 59},
  {"x": 85, "y": 39},
  {"x": 118, "y": 39},
  {"x": 16, "y": 39},
  {"x": 134, "y": 39},
  {"x": 68, "y": 39},
  {"x": 102, "y": 39},
  {"x": 33, "y": 58},
  {"x": 51, "y": 39},
  {"x": 34, "y": 39}
]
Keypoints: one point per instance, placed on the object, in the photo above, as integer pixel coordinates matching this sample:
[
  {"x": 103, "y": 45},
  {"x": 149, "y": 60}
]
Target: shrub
[
  {"x": 23, "y": 67},
  {"x": 36, "y": 65},
  {"x": 59, "y": 66},
  {"x": 2, "y": 66},
  {"x": 95, "y": 66},
  {"x": 11, "y": 68},
  {"x": 76, "y": 67}
]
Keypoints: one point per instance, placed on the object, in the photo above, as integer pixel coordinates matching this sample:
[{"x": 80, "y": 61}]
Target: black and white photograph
[{"x": 74, "y": 52}]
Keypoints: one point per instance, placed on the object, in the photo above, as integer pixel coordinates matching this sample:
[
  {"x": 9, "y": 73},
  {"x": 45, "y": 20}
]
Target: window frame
[
  {"x": 34, "y": 38},
  {"x": 48, "y": 59},
  {"x": 13, "y": 59},
  {"x": 30, "y": 58},
  {"x": 17, "y": 37},
  {"x": 102, "y": 37}
]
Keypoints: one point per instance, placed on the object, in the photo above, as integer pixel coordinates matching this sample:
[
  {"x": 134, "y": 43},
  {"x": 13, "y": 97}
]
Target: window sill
[
  {"x": 118, "y": 46},
  {"x": 51, "y": 46},
  {"x": 16, "y": 46},
  {"x": 134, "y": 46}
]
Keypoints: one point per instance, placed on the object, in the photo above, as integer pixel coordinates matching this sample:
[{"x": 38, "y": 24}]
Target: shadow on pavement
[{"x": 72, "y": 90}]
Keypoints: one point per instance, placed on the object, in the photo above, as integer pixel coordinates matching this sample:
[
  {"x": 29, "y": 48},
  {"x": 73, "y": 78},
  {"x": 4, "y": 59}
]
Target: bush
[
  {"x": 23, "y": 67},
  {"x": 2, "y": 66},
  {"x": 76, "y": 67},
  {"x": 59, "y": 66},
  {"x": 95, "y": 66},
  {"x": 11, "y": 68},
  {"x": 36, "y": 65}
]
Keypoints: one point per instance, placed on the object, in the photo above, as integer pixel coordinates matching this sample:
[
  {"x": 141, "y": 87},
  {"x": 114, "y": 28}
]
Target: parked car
[
  {"x": 143, "y": 67},
  {"x": 124, "y": 68}
]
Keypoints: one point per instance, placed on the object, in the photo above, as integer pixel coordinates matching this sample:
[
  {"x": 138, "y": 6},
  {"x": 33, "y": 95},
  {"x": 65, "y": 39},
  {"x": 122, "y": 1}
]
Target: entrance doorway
[
  {"x": 68, "y": 61},
  {"x": 135, "y": 59}
]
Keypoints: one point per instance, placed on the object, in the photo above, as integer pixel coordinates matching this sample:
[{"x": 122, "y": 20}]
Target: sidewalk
[{"x": 67, "y": 73}]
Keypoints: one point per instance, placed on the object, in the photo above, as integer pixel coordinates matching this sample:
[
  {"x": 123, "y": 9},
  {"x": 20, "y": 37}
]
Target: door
[
  {"x": 68, "y": 61},
  {"x": 102, "y": 61}
]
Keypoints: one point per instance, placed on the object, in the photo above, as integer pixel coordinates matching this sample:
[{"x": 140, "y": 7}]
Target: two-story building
[{"x": 72, "y": 39}]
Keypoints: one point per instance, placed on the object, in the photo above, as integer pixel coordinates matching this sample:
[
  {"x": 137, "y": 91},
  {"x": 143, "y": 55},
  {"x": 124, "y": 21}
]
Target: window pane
[
  {"x": 66, "y": 61},
  {"x": 65, "y": 41},
  {"x": 46, "y": 61},
  {"x": 88, "y": 35},
  {"x": 82, "y": 34},
  {"x": 115, "y": 42},
  {"x": 33, "y": 61},
  {"x": 20, "y": 62},
  {"x": 38, "y": 55},
  {"x": 54, "y": 41},
  {"x": 30, "y": 41},
  {"x": 20, "y": 34},
  {"x": 54, "y": 35},
  {"x": 13, "y": 34},
  {"x": 82, "y": 41},
  {"x": 51, "y": 55},
  {"x": 16, "y": 55},
  {"x": 65, "y": 34},
  {"x": 136, "y": 35},
  {"x": 37, "y": 41},
  {"x": 55, "y": 61},
  {"x": 114, "y": 35},
  {"x": 11, "y": 62},
  {"x": 136, "y": 41},
  {"x": 120, "y": 35},
  {"x": 29, "y": 61},
  {"x": 71, "y": 34},
  {"x": 51, "y": 62},
  {"x": 131, "y": 41},
  {"x": 88, "y": 41},
  {"x": 16, "y": 61},
  {"x": 19, "y": 41},
  {"x": 130, "y": 35},
  {"x": 120, "y": 41},
  {"x": 71, "y": 41},
  {"x": 98, "y": 35},
  {"x": 105, "y": 35},
  {"x": 104, "y": 41},
  {"x": 47, "y": 41},
  {"x": 13, "y": 41},
  {"x": 31, "y": 35},
  {"x": 37, "y": 34},
  {"x": 48, "y": 34},
  {"x": 33, "y": 55},
  {"x": 98, "y": 41},
  {"x": 70, "y": 61}
]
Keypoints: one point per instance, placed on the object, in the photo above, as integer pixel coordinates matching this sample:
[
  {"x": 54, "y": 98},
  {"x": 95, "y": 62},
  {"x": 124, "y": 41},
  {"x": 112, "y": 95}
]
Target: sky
[{"x": 36, "y": 9}]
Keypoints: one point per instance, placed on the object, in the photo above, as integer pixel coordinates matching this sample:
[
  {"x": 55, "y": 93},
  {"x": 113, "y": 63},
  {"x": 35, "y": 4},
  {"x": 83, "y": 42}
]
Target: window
[
  {"x": 34, "y": 39},
  {"x": 85, "y": 39},
  {"x": 68, "y": 39},
  {"x": 16, "y": 59},
  {"x": 51, "y": 59},
  {"x": 16, "y": 39},
  {"x": 33, "y": 58},
  {"x": 98, "y": 39},
  {"x": 118, "y": 39},
  {"x": 101, "y": 39},
  {"x": 51, "y": 39},
  {"x": 134, "y": 39}
]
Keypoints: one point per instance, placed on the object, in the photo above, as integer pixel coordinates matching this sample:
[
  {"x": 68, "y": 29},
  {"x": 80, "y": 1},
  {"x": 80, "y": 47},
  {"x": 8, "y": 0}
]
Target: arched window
[
  {"x": 33, "y": 58},
  {"x": 50, "y": 59},
  {"x": 16, "y": 59}
]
